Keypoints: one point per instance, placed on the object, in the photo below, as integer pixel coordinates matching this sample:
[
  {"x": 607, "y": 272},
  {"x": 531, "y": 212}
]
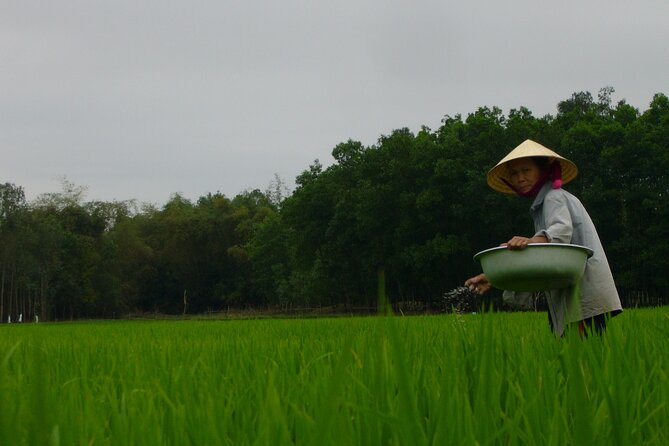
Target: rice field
[{"x": 486, "y": 379}]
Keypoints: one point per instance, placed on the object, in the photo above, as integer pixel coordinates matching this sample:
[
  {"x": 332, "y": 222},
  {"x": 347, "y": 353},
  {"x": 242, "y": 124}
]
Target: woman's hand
[
  {"x": 479, "y": 284},
  {"x": 519, "y": 242}
]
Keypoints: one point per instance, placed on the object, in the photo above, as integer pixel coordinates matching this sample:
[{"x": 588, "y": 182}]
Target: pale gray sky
[{"x": 141, "y": 99}]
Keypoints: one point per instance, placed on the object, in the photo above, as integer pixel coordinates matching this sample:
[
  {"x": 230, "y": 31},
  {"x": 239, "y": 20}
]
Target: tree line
[{"x": 412, "y": 208}]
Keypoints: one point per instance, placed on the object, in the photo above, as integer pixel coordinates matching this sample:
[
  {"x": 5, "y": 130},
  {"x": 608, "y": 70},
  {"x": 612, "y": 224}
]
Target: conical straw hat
[{"x": 528, "y": 148}]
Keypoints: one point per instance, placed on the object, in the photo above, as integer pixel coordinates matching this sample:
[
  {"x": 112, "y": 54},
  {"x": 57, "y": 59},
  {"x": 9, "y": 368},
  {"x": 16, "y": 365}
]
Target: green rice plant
[{"x": 493, "y": 379}]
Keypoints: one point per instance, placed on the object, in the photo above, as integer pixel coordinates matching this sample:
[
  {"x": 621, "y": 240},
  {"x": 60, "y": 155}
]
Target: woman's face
[{"x": 523, "y": 173}]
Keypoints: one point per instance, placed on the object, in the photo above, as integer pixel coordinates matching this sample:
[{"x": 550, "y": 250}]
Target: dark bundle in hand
[{"x": 461, "y": 300}]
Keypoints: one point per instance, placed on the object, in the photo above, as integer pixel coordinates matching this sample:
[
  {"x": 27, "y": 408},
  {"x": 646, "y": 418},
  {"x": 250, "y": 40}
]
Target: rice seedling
[{"x": 447, "y": 379}]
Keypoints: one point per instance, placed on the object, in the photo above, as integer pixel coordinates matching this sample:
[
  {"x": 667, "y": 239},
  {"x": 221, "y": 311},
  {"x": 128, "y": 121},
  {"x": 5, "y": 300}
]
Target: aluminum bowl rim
[{"x": 588, "y": 251}]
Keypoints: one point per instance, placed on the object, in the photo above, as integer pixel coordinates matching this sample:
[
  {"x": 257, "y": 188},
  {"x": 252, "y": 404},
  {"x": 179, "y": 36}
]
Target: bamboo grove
[{"x": 413, "y": 206}]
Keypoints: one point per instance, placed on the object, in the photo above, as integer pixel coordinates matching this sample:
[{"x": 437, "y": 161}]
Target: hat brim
[{"x": 527, "y": 149}]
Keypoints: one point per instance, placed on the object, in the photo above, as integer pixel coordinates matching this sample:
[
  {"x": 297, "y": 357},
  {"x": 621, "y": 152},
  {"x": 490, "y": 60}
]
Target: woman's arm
[{"x": 559, "y": 225}]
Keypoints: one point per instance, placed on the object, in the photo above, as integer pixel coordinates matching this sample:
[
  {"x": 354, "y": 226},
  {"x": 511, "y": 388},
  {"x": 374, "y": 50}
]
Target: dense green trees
[
  {"x": 63, "y": 258},
  {"x": 412, "y": 207}
]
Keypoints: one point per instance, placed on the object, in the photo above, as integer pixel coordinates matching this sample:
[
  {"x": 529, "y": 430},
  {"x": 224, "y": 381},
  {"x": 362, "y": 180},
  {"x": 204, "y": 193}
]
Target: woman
[{"x": 534, "y": 171}]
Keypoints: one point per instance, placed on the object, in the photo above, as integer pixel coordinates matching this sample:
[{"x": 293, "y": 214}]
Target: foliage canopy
[{"x": 413, "y": 206}]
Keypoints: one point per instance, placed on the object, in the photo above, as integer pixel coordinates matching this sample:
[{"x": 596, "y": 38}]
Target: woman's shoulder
[
  {"x": 557, "y": 195},
  {"x": 550, "y": 197},
  {"x": 560, "y": 194},
  {"x": 560, "y": 197}
]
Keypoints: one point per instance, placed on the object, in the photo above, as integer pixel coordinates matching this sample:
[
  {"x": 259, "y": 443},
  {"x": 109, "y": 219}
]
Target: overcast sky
[{"x": 141, "y": 99}]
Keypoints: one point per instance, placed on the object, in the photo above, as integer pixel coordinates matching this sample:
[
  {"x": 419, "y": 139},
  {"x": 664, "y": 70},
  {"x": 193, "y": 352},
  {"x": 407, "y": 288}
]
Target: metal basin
[{"x": 540, "y": 266}]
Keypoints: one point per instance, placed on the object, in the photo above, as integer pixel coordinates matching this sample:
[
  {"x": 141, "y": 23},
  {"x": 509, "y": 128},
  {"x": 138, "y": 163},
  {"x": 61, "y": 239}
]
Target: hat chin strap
[{"x": 554, "y": 171}]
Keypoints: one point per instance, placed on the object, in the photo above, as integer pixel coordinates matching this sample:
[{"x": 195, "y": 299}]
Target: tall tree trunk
[
  {"x": 42, "y": 297},
  {"x": 20, "y": 302},
  {"x": 11, "y": 294},
  {"x": 2, "y": 293},
  {"x": 28, "y": 310}
]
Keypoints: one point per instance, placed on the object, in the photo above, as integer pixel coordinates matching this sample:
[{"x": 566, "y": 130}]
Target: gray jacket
[{"x": 561, "y": 218}]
